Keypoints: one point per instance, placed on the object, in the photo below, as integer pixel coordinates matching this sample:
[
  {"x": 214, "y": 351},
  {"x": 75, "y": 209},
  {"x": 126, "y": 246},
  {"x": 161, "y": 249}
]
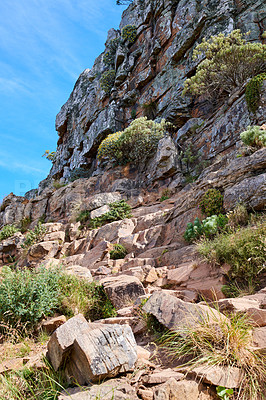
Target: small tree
[{"x": 229, "y": 62}]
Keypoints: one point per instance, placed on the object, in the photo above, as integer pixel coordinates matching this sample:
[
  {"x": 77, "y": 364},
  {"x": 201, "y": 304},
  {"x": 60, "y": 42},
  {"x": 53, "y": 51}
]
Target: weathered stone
[
  {"x": 180, "y": 275},
  {"x": 145, "y": 394},
  {"x": 173, "y": 390},
  {"x": 102, "y": 352},
  {"x": 176, "y": 314},
  {"x": 123, "y": 289},
  {"x": 52, "y": 324},
  {"x": 251, "y": 307},
  {"x": 259, "y": 338},
  {"x": 80, "y": 272},
  {"x": 43, "y": 250},
  {"x": 229, "y": 377},
  {"x": 162, "y": 376},
  {"x": 113, "y": 389},
  {"x": 98, "y": 212},
  {"x": 55, "y": 235},
  {"x": 100, "y": 200}
]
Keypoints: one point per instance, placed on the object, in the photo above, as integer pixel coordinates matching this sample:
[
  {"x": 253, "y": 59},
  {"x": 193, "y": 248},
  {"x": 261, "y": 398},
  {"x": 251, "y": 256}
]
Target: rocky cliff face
[{"x": 149, "y": 78}]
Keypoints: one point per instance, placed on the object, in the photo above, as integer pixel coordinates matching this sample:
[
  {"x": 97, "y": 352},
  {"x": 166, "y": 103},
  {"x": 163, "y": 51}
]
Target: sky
[{"x": 44, "y": 46}]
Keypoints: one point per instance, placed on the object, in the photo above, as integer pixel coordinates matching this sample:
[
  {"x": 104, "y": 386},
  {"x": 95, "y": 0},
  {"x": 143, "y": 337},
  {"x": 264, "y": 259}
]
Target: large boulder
[
  {"x": 251, "y": 307},
  {"x": 122, "y": 290},
  {"x": 88, "y": 352},
  {"x": 173, "y": 390},
  {"x": 176, "y": 314}
]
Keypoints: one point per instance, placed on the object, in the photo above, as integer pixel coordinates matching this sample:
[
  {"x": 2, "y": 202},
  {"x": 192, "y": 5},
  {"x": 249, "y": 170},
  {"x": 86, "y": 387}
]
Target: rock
[
  {"x": 176, "y": 314},
  {"x": 229, "y": 377},
  {"x": 63, "y": 338},
  {"x": 173, "y": 390},
  {"x": 43, "y": 250},
  {"x": 251, "y": 307},
  {"x": 113, "y": 389},
  {"x": 96, "y": 254},
  {"x": 55, "y": 235},
  {"x": 100, "y": 211},
  {"x": 180, "y": 275},
  {"x": 142, "y": 353},
  {"x": 52, "y": 324},
  {"x": 162, "y": 376},
  {"x": 123, "y": 289},
  {"x": 259, "y": 338},
  {"x": 99, "y": 200},
  {"x": 145, "y": 394},
  {"x": 79, "y": 271},
  {"x": 125, "y": 312},
  {"x": 102, "y": 352}
]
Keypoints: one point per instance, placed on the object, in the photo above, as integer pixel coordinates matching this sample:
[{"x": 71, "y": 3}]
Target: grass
[
  {"x": 244, "y": 250},
  {"x": 226, "y": 343},
  {"x": 30, "y": 384}
]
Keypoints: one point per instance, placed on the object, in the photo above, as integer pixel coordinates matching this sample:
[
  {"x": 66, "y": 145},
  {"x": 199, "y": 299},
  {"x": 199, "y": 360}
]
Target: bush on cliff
[
  {"x": 229, "y": 61},
  {"x": 253, "y": 92},
  {"x": 7, "y": 231},
  {"x": 254, "y": 137},
  {"x": 136, "y": 144}
]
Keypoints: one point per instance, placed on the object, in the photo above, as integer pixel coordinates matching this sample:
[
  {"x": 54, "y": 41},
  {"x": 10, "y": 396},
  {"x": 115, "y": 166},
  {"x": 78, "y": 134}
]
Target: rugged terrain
[{"x": 164, "y": 197}]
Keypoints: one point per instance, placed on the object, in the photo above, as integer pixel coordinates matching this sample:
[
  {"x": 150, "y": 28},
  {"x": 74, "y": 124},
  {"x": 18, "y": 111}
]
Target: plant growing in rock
[
  {"x": 107, "y": 81},
  {"x": 254, "y": 136},
  {"x": 50, "y": 155},
  {"x": 118, "y": 252},
  {"x": 208, "y": 227},
  {"x": 229, "y": 62},
  {"x": 244, "y": 250},
  {"x": 34, "y": 236},
  {"x": 118, "y": 210},
  {"x": 136, "y": 144},
  {"x": 24, "y": 224},
  {"x": 129, "y": 33},
  {"x": 212, "y": 203},
  {"x": 165, "y": 195},
  {"x": 224, "y": 393},
  {"x": 238, "y": 216},
  {"x": 8, "y": 231},
  {"x": 253, "y": 91},
  {"x": 109, "y": 147},
  {"x": 225, "y": 342},
  {"x": 83, "y": 216}
]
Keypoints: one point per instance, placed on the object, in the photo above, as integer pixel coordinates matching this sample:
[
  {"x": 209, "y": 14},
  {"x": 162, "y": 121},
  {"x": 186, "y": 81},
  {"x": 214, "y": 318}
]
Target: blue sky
[{"x": 44, "y": 46}]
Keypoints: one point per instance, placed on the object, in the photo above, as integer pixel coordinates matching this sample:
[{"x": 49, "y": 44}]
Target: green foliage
[
  {"x": 192, "y": 163},
  {"x": 208, "y": 227},
  {"x": 118, "y": 252},
  {"x": 118, "y": 210},
  {"x": 57, "y": 184},
  {"x": 212, "y": 203},
  {"x": 7, "y": 231},
  {"x": 107, "y": 80},
  {"x": 32, "y": 384},
  {"x": 229, "y": 62},
  {"x": 253, "y": 91},
  {"x": 254, "y": 136},
  {"x": 83, "y": 216},
  {"x": 224, "y": 393},
  {"x": 238, "y": 216},
  {"x": 136, "y": 144},
  {"x": 34, "y": 236},
  {"x": 165, "y": 195},
  {"x": 244, "y": 250},
  {"x": 50, "y": 155},
  {"x": 109, "y": 59},
  {"x": 133, "y": 113},
  {"x": 24, "y": 224},
  {"x": 129, "y": 33},
  {"x": 217, "y": 341},
  {"x": 27, "y": 296},
  {"x": 109, "y": 147}
]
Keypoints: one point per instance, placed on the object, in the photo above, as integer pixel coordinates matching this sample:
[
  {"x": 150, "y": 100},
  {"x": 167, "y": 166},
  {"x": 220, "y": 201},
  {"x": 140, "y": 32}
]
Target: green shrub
[
  {"x": 83, "y": 216},
  {"x": 109, "y": 147},
  {"x": 118, "y": 252},
  {"x": 224, "y": 393},
  {"x": 118, "y": 210},
  {"x": 229, "y": 62},
  {"x": 254, "y": 136},
  {"x": 165, "y": 195},
  {"x": 136, "y": 144},
  {"x": 253, "y": 91},
  {"x": 24, "y": 224},
  {"x": 238, "y": 216},
  {"x": 109, "y": 59},
  {"x": 34, "y": 236},
  {"x": 212, "y": 203},
  {"x": 27, "y": 296},
  {"x": 129, "y": 33},
  {"x": 208, "y": 227},
  {"x": 7, "y": 231},
  {"x": 107, "y": 80},
  {"x": 244, "y": 250}
]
